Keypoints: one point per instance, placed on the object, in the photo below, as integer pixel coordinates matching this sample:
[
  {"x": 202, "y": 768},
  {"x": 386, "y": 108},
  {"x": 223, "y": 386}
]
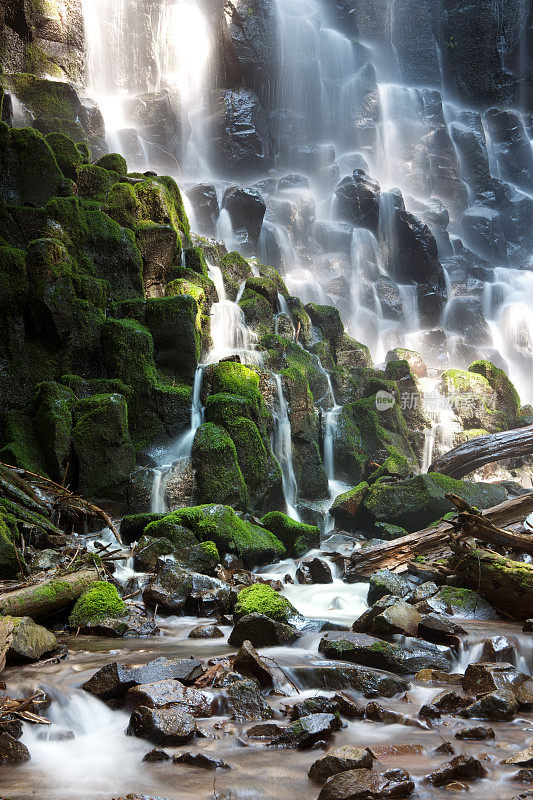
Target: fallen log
[
  {"x": 42, "y": 599},
  {"x": 470, "y": 522},
  {"x": 506, "y": 584},
  {"x": 397, "y": 554},
  {"x": 483, "y": 450}
]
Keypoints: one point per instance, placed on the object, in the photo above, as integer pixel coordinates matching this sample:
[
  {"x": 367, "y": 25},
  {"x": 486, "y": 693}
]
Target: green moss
[
  {"x": 30, "y": 173},
  {"x": 101, "y": 601},
  {"x": 44, "y": 98},
  {"x": 93, "y": 182},
  {"x": 172, "y": 528},
  {"x": 195, "y": 260},
  {"x": 52, "y": 408},
  {"x": 232, "y": 378},
  {"x": 235, "y": 270},
  {"x": 68, "y": 156},
  {"x": 211, "y": 551},
  {"x": 11, "y": 559},
  {"x": 132, "y": 526},
  {"x": 218, "y": 476},
  {"x": 297, "y": 537},
  {"x": 327, "y": 319},
  {"x": 113, "y": 162},
  {"x": 258, "y": 312},
  {"x": 20, "y": 447},
  {"x": 179, "y": 215},
  {"x": 507, "y": 396},
  {"x": 50, "y": 590},
  {"x": 122, "y": 205},
  {"x": 262, "y": 599}
]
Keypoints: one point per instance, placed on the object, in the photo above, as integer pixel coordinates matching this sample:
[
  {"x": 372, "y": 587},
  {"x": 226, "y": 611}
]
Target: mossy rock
[
  {"x": 328, "y": 319},
  {"x": 121, "y": 205},
  {"x": 93, "y": 182},
  {"x": 171, "y": 528},
  {"x": 190, "y": 277},
  {"x": 102, "y": 444},
  {"x": 44, "y": 97},
  {"x": 149, "y": 549},
  {"x": 235, "y": 271},
  {"x": 176, "y": 327},
  {"x": 11, "y": 559},
  {"x": 300, "y": 317},
  {"x": 232, "y": 534},
  {"x": 68, "y": 156},
  {"x": 52, "y": 408},
  {"x": 218, "y": 476},
  {"x": 230, "y": 377},
  {"x": 473, "y": 399},
  {"x": 129, "y": 353},
  {"x": 417, "y": 502},
  {"x": 113, "y": 162},
  {"x": 506, "y": 394},
  {"x": 20, "y": 447},
  {"x": 262, "y": 599},
  {"x": 195, "y": 260},
  {"x": 257, "y": 311},
  {"x": 13, "y": 279},
  {"x": 29, "y": 172},
  {"x": 297, "y": 537},
  {"x": 101, "y": 601}
]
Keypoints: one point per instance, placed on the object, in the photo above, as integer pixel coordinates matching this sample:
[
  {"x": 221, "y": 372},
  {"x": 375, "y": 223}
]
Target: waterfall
[
  {"x": 440, "y": 436},
  {"x": 229, "y": 331},
  {"x": 282, "y": 447}
]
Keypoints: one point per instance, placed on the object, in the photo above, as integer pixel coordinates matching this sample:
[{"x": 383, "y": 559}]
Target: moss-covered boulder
[
  {"x": 328, "y": 320},
  {"x": 262, "y": 599},
  {"x": 218, "y": 476},
  {"x": 159, "y": 248},
  {"x": 53, "y": 408},
  {"x": 113, "y": 162},
  {"x": 415, "y": 503},
  {"x": 121, "y": 205},
  {"x": 132, "y": 525},
  {"x": 507, "y": 397},
  {"x": 30, "y": 642},
  {"x": 29, "y": 172},
  {"x": 231, "y": 533},
  {"x": 473, "y": 400},
  {"x": 235, "y": 271},
  {"x": 100, "y": 602},
  {"x": 92, "y": 182},
  {"x": 68, "y": 155},
  {"x": 102, "y": 445},
  {"x": 11, "y": 559},
  {"x": 297, "y": 537}
]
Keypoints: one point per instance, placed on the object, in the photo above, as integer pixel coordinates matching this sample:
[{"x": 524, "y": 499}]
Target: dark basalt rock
[
  {"x": 314, "y": 570},
  {"x": 314, "y": 705},
  {"x": 384, "y": 582},
  {"x": 479, "y": 733},
  {"x": 164, "y": 726},
  {"x": 247, "y": 209},
  {"x": 497, "y": 706},
  {"x": 245, "y": 702},
  {"x": 12, "y": 751},
  {"x": 440, "y": 630},
  {"x": 200, "y": 760},
  {"x": 156, "y": 757},
  {"x": 169, "y": 692},
  {"x": 340, "y": 760},
  {"x": 248, "y": 662},
  {"x": 240, "y": 142},
  {"x": 262, "y": 631},
  {"x": 206, "y": 632},
  {"x": 459, "y": 768},
  {"x": 358, "y": 648},
  {"x": 203, "y": 198},
  {"x": 487, "y": 677},
  {"x": 307, "y": 730},
  {"x": 113, "y": 681},
  {"x": 328, "y": 676},
  {"x": 365, "y": 784},
  {"x": 378, "y": 713},
  {"x": 358, "y": 200},
  {"x": 511, "y": 146}
]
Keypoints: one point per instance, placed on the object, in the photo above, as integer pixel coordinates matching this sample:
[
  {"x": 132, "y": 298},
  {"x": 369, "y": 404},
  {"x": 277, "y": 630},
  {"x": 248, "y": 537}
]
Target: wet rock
[
  {"x": 203, "y": 198},
  {"x": 114, "y": 680},
  {"x": 364, "y": 784},
  {"x": 12, "y": 751},
  {"x": 523, "y": 776},
  {"x": 247, "y": 210},
  {"x": 162, "y": 694},
  {"x": 30, "y": 641},
  {"x": 200, "y": 760},
  {"x": 510, "y": 143},
  {"x": 370, "y": 683},
  {"x": 524, "y": 695},
  {"x": 266, "y": 731},
  {"x": 377, "y": 713},
  {"x": 241, "y": 140},
  {"x": 459, "y": 768},
  {"x": 262, "y": 631},
  {"x": 385, "y": 582},
  {"x": 438, "y": 676},
  {"x": 450, "y": 702},
  {"x": 156, "y": 756},
  {"x": 249, "y": 663},
  {"x": 305, "y": 732},
  {"x": 489, "y": 677},
  {"x": 440, "y": 630},
  {"x": 132, "y": 624},
  {"x": 358, "y": 200},
  {"x": 13, "y": 727},
  {"x": 479, "y": 733},
  {"x": 314, "y": 705},
  {"x": 497, "y": 706},
  {"x": 174, "y": 586},
  {"x": 206, "y": 632},
  {"x": 422, "y": 592},
  {"x": 244, "y": 701},
  {"x": 400, "y": 618},
  {"x": 314, "y": 570},
  {"x": 347, "y": 706},
  {"x": 165, "y": 726},
  {"x": 340, "y": 760},
  {"x": 524, "y": 758},
  {"x": 528, "y": 626},
  {"x": 367, "y": 651},
  {"x": 445, "y": 749},
  {"x": 463, "y": 603}
]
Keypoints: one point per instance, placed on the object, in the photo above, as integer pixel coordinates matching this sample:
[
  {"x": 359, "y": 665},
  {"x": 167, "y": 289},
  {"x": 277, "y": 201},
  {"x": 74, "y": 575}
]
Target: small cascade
[
  {"x": 439, "y": 438},
  {"x": 229, "y": 332},
  {"x": 282, "y": 448},
  {"x": 514, "y": 648},
  {"x": 224, "y": 230}
]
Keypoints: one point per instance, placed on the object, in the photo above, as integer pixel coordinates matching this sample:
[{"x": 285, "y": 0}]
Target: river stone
[
  {"x": 314, "y": 705},
  {"x": 266, "y": 731},
  {"x": 524, "y": 776},
  {"x": 385, "y": 582},
  {"x": 441, "y": 630},
  {"x": 164, "y": 726},
  {"x": 306, "y": 731},
  {"x": 524, "y": 758},
  {"x": 314, "y": 571},
  {"x": 169, "y": 692},
  {"x": 245, "y": 702},
  {"x": 359, "y": 648},
  {"x": 422, "y": 592},
  {"x": 449, "y": 702},
  {"x": 132, "y": 624},
  {"x": 479, "y": 733},
  {"x": 528, "y": 626},
  {"x": 459, "y": 768},
  {"x": 156, "y": 756},
  {"x": 399, "y": 618},
  {"x": 200, "y": 760},
  {"x": 13, "y": 727},
  {"x": 261, "y": 631},
  {"x": 499, "y": 706},
  {"x": 340, "y": 760},
  {"x": 438, "y": 676},
  {"x": 490, "y": 676},
  {"x": 114, "y": 680},
  {"x": 524, "y": 695},
  {"x": 370, "y": 683},
  {"x": 463, "y": 603},
  {"x": 30, "y": 641},
  {"x": 386, "y": 716},
  {"x": 12, "y": 751},
  {"x": 206, "y": 632},
  {"x": 248, "y": 662},
  {"x": 363, "y": 784}
]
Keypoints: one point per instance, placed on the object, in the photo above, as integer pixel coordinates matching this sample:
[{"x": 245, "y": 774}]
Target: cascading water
[{"x": 282, "y": 448}]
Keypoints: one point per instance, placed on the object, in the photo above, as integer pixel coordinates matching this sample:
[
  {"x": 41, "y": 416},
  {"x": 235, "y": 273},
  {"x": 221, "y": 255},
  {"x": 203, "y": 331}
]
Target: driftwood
[
  {"x": 397, "y": 554},
  {"x": 483, "y": 450},
  {"x": 6, "y": 629},
  {"x": 24, "y": 709},
  {"x": 42, "y": 599},
  {"x": 469, "y": 522},
  {"x": 507, "y": 584}
]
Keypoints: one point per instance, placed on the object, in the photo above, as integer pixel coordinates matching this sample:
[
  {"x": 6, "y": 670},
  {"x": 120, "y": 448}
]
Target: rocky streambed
[{"x": 354, "y": 702}]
